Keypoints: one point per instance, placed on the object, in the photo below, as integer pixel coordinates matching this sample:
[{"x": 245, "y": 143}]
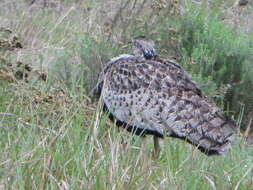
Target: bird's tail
[
  {"x": 204, "y": 126},
  {"x": 216, "y": 135}
]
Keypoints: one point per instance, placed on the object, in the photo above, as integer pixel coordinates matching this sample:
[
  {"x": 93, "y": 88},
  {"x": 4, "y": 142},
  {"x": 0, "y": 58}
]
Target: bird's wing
[
  {"x": 159, "y": 96},
  {"x": 111, "y": 64}
]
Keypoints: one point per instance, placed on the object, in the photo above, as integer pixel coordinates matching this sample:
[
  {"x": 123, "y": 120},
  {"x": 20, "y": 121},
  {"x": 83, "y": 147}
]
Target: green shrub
[{"x": 220, "y": 55}]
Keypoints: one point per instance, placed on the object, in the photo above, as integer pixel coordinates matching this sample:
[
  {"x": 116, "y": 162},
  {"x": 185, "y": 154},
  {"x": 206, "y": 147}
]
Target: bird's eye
[{"x": 148, "y": 54}]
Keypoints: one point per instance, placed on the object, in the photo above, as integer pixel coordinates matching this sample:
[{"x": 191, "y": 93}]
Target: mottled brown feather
[{"x": 158, "y": 97}]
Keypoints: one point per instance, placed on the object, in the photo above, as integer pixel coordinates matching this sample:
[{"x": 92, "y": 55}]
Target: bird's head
[{"x": 144, "y": 47}]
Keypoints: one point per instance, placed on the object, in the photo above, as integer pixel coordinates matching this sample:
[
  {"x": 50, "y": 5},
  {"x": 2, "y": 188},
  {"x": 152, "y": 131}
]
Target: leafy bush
[{"x": 220, "y": 55}]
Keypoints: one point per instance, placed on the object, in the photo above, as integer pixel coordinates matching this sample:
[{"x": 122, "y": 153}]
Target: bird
[{"x": 148, "y": 94}]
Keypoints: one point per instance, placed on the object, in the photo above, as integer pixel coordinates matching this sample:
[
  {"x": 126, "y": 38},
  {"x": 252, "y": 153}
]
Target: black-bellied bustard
[{"x": 147, "y": 94}]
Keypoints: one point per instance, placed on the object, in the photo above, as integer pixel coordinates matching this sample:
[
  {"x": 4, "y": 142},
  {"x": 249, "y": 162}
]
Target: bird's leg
[
  {"x": 143, "y": 143},
  {"x": 156, "y": 147}
]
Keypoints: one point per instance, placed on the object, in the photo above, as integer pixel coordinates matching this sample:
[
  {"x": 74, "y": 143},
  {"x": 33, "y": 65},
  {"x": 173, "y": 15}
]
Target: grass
[
  {"x": 45, "y": 143},
  {"x": 50, "y": 131}
]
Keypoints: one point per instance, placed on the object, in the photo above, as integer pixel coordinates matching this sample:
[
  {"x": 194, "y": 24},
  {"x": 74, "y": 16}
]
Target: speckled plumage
[{"x": 156, "y": 96}]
